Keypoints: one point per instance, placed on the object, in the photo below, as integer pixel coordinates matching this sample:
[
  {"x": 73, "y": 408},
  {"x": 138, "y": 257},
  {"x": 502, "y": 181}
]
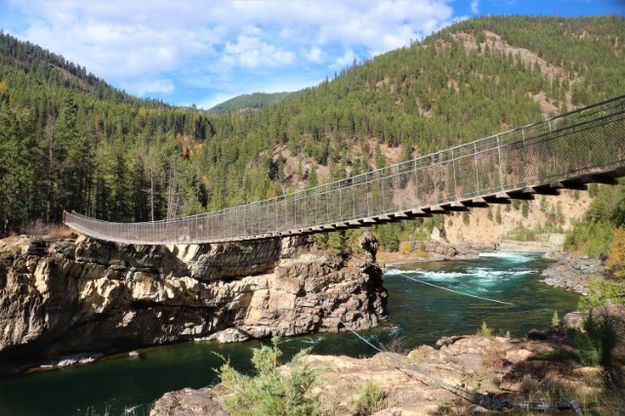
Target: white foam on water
[
  {"x": 487, "y": 273},
  {"x": 508, "y": 256},
  {"x": 393, "y": 272},
  {"x": 475, "y": 273}
]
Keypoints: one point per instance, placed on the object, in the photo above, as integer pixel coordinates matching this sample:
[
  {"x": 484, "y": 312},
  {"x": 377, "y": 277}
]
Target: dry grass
[{"x": 396, "y": 345}]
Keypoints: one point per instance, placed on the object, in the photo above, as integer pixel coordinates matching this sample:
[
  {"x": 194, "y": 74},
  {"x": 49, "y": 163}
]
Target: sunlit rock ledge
[{"x": 79, "y": 295}]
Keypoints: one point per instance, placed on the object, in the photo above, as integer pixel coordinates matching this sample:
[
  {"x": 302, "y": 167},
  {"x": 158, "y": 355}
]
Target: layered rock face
[{"x": 81, "y": 295}]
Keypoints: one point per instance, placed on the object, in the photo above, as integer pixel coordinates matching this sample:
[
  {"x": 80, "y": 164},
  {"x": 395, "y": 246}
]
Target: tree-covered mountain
[
  {"x": 252, "y": 101},
  {"x": 68, "y": 140}
]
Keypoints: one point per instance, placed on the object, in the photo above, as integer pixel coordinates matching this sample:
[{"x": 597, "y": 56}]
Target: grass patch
[
  {"x": 370, "y": 399},
  {"x": 555, "y": 355}
]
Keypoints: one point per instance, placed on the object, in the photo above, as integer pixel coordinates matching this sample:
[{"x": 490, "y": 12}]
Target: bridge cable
[
  {"x": 423, "y": 282},
  {"x": 484, "y": 400}
]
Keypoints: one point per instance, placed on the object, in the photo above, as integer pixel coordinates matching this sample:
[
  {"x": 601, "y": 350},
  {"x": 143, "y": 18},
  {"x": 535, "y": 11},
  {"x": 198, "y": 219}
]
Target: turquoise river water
[{"x": 418, "y": 313}]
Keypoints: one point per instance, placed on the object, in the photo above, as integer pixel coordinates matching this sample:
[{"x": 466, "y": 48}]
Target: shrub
[
  {"x": 586, "y": 349},
  {"x": 616, "y": 255},
  {"x": 396, "y": 345},
  {"x": 271, "y": 392},
  {"x": 341, "y": 242},
  {"x": 389, "y": 236},
  {"x": 596, "y": 345},
  {"x": 405, "y": 247},
  {"x": 555, "y": 320},
  {"x": 554, "y": 355},
  {"x": 466, "y": 218},
  {"x": 484, "y": 330},
  {"x": 525, "y": 209},
  {"x": 370, "y": 399},
  {"x": 593, "y": 239},
  {"x": 602, "y": 292}
]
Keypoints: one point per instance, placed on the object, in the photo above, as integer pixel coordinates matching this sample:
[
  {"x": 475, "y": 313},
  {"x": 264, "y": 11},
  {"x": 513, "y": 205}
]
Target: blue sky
[{"x": 204, "y": 52}]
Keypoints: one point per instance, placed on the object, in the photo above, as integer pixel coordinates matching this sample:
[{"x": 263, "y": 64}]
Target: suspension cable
[
  {"x": 484, "y": 400},
  {"x": 423, "y": 282}
]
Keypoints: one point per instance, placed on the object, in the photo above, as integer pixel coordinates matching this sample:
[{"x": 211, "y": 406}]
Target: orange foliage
[{"x": 616, "y": 256}]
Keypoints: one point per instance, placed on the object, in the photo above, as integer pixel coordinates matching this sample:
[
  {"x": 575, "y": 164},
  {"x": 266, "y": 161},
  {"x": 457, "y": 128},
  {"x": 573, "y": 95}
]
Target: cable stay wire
[
  {"x": 423, "y": 282},
  {"x": 479, "y": 399}
]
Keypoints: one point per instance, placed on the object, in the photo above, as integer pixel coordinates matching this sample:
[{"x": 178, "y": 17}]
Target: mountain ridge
[
  {"x": 252, "y": 101},
  {"x": 122, "y": 158}
]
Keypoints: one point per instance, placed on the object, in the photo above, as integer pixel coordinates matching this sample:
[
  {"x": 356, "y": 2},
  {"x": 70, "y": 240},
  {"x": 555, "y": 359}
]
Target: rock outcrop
[
  {"x": 510, "y": 369},
  {"x": 82, "y": 295},
  {"x": 573, "y": 273}
]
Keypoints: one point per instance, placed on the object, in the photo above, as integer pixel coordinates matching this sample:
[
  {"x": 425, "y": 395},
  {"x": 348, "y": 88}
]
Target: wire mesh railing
[{"x": 589, "y": 140}]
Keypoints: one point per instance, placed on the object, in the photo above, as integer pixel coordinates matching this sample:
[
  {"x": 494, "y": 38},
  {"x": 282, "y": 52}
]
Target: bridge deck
[{"x": 566, "y": 151}]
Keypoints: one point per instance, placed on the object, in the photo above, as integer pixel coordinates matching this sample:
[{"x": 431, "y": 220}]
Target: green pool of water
[{"x": 419, "y": 313}]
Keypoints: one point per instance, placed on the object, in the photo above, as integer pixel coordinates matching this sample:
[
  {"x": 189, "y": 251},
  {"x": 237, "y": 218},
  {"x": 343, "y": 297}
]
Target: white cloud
[
  {"x": 250, "y": 52},
  {"x": 162, "y": 86},
  {"x": 475, "y": 6},
  {"x": 315, "y": 55},
  {"x": 141, "y": 44},
  {"x": 346, "y": 59}
]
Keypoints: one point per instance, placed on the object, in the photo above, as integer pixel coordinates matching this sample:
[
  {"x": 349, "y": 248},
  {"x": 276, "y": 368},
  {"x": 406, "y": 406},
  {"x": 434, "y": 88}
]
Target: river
[{"x": 419, "y": 313}]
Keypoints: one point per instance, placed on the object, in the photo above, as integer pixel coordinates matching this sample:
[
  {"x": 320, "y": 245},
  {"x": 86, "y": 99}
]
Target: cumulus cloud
[
  {"x": 145, "y": 87},
  {"x": 141, "y": 45},
  {"x": 315, "y": 54},
  {"x": 250, "y": 52},
  {"x": 344, "y": 60}
]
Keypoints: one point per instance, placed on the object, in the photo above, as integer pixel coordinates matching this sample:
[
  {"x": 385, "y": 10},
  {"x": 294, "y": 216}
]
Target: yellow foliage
[
  {"x": 3, "y": 86},
  {"x": 616, "y": 255},
  {"x": 405, "y": 247},
  {"x": 143, "y": 112}
]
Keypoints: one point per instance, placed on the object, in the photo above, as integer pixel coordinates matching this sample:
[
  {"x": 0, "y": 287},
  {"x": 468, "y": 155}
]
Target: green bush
[
  {"x": 370, "y": 399},
  {"x": 587, "y": 350},
  {"x": 555, "y": 320},
  {"x": 595, "y": 347},
  {"x": 593, "y": 239},
  {"x": 388, "y": 235},
  {"x": 602, "y": 292},
  {"x": 554, "y": 355},
  {"x": 484, "y": 330},
  {"x": 615, "y": 262},
  {"x": 271, "y": 392}
]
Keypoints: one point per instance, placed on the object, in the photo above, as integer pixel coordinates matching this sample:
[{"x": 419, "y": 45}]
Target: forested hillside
[
  {"x": 68, "y": 140},
  {"x": 249, "y": 102}
]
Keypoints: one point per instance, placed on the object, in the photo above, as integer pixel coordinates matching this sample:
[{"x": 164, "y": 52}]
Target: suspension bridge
[{"x": 567, "y": 151}]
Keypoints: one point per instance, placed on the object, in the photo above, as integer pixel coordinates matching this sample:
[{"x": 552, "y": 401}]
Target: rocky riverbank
[
  {"x": 572, "y": 272},
  {"x": 543, "y": 366},
  {"x": 78, "y": 295}
]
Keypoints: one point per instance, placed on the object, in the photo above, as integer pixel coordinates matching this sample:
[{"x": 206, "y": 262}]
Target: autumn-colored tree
[{"x": 615, "y": 262}]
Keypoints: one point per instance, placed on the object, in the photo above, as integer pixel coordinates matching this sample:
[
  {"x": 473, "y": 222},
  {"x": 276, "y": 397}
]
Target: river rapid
[{"x": 418, "y": 313}]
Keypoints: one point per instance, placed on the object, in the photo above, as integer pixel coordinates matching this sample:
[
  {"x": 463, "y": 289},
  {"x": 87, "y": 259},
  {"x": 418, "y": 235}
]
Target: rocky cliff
[{"x": 81, "y": 295}]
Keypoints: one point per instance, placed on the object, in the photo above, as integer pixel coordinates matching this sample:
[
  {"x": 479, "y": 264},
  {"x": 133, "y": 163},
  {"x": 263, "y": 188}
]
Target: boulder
[
  {"x": 228, "y": 335},
  {"x": 574, "y": 321},
  {"x": 187, "y": 402}
]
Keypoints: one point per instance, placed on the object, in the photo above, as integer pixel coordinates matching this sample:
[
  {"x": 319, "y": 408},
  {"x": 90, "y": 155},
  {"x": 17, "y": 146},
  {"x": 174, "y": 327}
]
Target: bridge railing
[{"x": 584, "y": 141}]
